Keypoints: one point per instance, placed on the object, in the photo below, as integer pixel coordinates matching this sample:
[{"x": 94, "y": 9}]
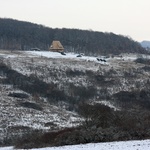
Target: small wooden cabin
[{"x": 56, "y": 46}]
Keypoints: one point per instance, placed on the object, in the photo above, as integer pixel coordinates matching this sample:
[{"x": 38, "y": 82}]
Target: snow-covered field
[
  {"x": 58, "y": 55},
  {"x": 127, "y": 145}
]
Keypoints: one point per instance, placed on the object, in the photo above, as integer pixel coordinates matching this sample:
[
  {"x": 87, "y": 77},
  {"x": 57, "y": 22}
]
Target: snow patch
[
  {"x": 123, "y": 145},
  {"x": 68, "y": 55}
]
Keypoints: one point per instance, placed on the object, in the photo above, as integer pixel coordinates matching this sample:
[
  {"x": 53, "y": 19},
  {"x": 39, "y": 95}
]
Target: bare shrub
[
  {"x": 31, "y": 105},
  {"x": 70, "y": 72},
  {"x": 18, "y": 95},
  {"x": 143, "y": 61},
  {"x": 146, "y": 68},
  {"x": 83, "y": 92},
  {"x": 106, "y": 125}
]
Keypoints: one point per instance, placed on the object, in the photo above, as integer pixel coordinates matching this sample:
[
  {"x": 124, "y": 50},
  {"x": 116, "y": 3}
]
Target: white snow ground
[
  {"x": 49, "y": 54},
  {"x": 67, "y": 56},
  {"x": 123, "y": 145}
]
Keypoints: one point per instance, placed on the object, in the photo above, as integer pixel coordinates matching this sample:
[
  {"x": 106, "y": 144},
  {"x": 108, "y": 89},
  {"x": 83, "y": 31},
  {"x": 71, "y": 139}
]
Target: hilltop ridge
[{"x": 21, "y": 35}]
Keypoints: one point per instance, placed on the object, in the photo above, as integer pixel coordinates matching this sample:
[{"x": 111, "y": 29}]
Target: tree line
[{"x": 20, "y": 35}]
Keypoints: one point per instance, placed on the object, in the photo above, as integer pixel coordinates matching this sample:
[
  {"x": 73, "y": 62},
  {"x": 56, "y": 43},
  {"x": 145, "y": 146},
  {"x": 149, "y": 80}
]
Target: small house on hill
[{"x": 56, "y": 46}]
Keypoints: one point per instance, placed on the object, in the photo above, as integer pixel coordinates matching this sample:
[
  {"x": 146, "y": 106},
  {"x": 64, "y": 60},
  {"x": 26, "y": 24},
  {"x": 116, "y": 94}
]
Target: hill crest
[{"x": 20, "y": 35}]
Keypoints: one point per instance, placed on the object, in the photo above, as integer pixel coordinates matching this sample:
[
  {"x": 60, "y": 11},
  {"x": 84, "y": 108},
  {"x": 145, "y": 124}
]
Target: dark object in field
[
  {"x": 99, "y": 59},
  {"x": 62, "y": 53},
  {"x": 79, "y": 55},
  {"x": 18, "y": 95}
]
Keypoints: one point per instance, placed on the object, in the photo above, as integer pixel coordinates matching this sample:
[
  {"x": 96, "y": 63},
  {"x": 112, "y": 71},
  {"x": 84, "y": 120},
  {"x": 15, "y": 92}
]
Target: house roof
[{"x": 56, "y": 45}]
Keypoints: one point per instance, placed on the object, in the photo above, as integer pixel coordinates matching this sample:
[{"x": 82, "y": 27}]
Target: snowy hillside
[{"x": 44, "y": 90}]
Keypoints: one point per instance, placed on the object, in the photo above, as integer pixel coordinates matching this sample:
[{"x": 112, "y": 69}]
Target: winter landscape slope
[{"x": 42, "y": 91}]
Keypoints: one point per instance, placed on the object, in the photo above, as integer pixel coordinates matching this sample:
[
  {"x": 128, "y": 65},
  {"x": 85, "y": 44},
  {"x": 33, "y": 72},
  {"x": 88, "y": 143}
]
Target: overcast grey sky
[{"x": 125, "y": 17}]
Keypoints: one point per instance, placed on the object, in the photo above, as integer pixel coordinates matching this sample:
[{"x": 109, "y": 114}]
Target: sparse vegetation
[
  {"x": 18, "y": 95},
  {"x": 31, "y": 105},
  {"x": 40, "y": 87},
  {"x": 143, "y": 61},
  {"x": 101, "y": 125}
]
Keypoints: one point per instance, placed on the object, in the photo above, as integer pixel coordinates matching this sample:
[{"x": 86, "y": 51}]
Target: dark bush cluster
[
  {"x": 18, "y": 95},
  {"x": 101, "y": 125},
  {"x": 129, "y": 100},
  {"x": 31, "y": 105},
  {"x": 143, "y": 61},
  {"x": 73, "y": 73},
  {"x": 146, "y": 68},
  {"x": 83, "y": 92}
]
